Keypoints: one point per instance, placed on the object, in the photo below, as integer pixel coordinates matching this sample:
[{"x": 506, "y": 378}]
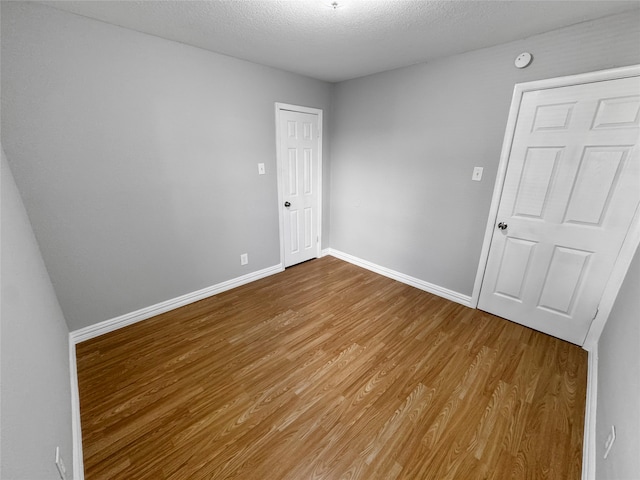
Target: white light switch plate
[
  {"x": 477, "y": 174},
  {"x": 261, "y": 169}
]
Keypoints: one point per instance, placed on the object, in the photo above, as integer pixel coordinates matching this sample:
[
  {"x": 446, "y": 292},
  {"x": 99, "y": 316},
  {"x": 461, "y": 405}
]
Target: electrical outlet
[
  {"x": 60, "y": 464},
  {"x": 609, "y": 442},
  {"x": 244, "y": 259},
  {"x": 477, "y": 174}
]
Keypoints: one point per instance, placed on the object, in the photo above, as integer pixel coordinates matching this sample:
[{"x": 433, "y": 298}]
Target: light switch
[
  {"x": 261, "y": 169},
  {"x": 477, "y": 174}
]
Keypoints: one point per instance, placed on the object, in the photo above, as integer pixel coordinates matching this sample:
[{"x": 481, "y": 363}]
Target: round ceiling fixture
[{"x": 523, "y": 60}]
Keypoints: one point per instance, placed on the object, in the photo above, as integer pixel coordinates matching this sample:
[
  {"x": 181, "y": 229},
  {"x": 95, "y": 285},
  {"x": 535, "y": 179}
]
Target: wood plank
[{"x": 329, "y": 371}]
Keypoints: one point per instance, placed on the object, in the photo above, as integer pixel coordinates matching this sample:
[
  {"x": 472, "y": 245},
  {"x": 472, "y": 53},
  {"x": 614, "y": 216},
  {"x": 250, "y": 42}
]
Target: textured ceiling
[{"x": 358, "y": 38}]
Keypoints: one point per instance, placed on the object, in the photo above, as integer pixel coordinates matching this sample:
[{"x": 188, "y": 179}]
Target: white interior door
[
  {"x": 299, "y": 165},
  {"x": 571, "y": 189}
]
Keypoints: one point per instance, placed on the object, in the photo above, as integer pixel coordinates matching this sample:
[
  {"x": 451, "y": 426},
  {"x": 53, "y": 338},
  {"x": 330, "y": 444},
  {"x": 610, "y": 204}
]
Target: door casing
[
  {"x": 632, "y": 239},
  {"x": 279, "y": 107}
]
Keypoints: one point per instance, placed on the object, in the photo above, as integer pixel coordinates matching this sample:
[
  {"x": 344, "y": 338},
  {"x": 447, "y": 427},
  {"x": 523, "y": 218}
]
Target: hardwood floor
[{"x": 328, "y": 371}]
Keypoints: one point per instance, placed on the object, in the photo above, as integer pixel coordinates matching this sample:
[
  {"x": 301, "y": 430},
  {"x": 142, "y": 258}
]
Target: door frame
[
  {"x": 279, "y": 108},
  {"x": 631, "y": 241}
]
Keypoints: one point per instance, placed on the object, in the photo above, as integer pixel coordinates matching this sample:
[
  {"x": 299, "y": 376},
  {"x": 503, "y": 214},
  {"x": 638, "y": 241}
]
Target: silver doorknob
[
  {"x": 502, "y": 226},
  {"x": 287, "y": 204}
]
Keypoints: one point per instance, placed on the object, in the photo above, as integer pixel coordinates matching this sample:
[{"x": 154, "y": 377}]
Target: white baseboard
[
  {"x": 589, "y": 437},
  {"x": 107, "y": 326},
  {"x": 401, "y": 277},
  {"x": 76, "y": 428}
]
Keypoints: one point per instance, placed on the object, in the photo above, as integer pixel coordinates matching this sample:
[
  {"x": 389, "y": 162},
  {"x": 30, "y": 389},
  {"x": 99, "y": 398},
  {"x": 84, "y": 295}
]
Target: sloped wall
[{"x": 34, "y": 377}]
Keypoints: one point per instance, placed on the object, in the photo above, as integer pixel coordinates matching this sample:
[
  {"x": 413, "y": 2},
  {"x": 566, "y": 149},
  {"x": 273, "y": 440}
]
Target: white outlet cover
[
  {"x": 62, "y": 470},
  {"x": 609, "y": 442}
]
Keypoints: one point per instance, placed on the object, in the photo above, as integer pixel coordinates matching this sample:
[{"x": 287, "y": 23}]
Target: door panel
[
  {"x": 561, "y": 283},
  {"x": 571, "y": 189},
  {"x": 594, "y": 185},
  {"x": 292, "y": 172},
  {"x": 535, "y": 183},
  {"x": 301, "y": 193},
  {"x": 516, "y": 259}
]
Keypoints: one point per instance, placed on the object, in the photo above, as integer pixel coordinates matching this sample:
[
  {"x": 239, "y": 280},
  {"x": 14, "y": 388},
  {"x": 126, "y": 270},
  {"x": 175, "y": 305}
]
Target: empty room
[{"x": 317, "y": 239}]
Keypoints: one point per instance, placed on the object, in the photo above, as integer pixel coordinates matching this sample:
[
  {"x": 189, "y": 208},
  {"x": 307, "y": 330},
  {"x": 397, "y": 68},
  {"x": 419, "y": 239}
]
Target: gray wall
[
  {"x": 404, "y": 144},
  {"x": 35, "y": 386},
  {"x": 137, "y": 158},
  {"x": 619, "y": 383}
]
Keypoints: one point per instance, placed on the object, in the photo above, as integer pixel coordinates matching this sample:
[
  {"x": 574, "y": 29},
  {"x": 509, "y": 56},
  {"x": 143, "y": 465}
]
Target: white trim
[
  {"x": 107, "y": 326},
  {"x": 403, "y": 278},
  {"x": 76, "y": 428},
  {"x": 497, "y": 193},
  {"x": 632, "y": 240},
  {"x": 620, "y": 269},
  {"x": 279, "y": 107},
  {"x": 589, "y": 437}
]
